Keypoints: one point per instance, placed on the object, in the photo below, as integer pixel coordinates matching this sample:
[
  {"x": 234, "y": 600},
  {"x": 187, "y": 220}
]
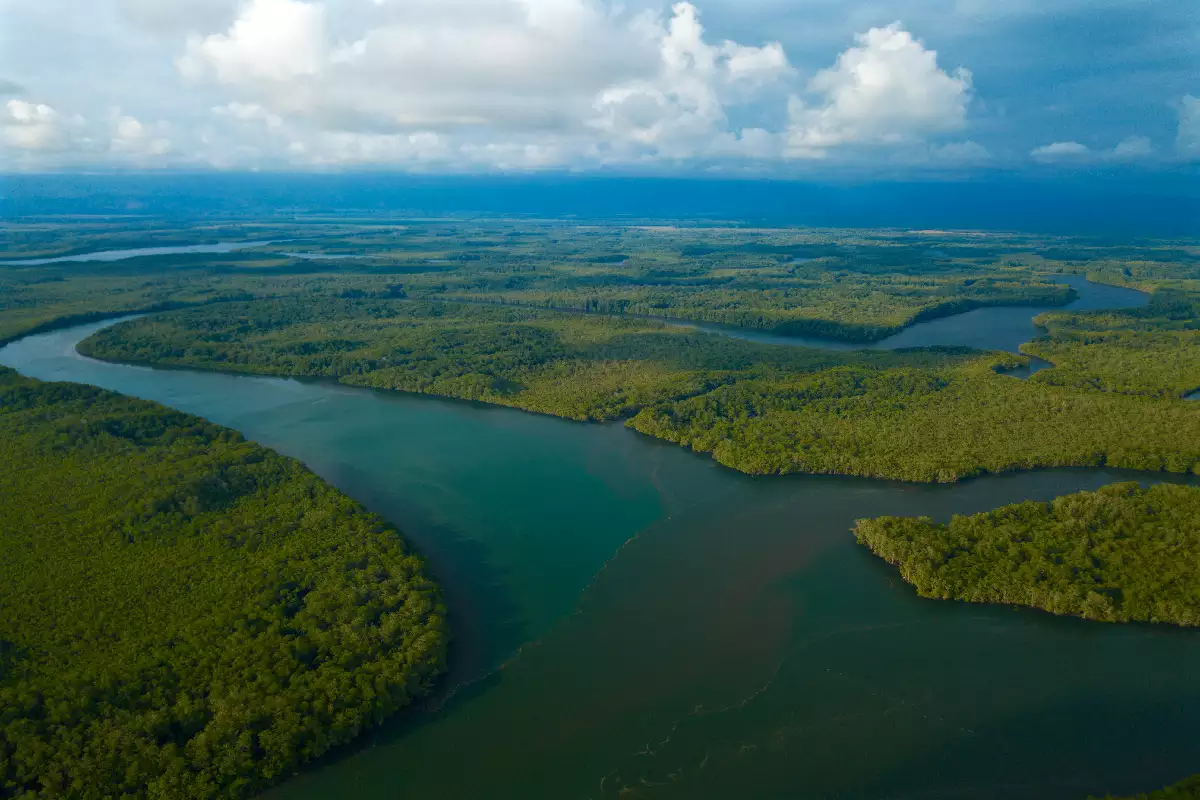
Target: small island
[{"x": 1120, "y": 554}]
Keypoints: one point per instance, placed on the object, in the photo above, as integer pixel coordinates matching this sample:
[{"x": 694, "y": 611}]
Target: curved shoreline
[
  {"x": 757, "y": 336},
  {"x": 631, "y": 419},
  {"x": 483, "y": 405},
  {"x": 816, "y": 342},
  {"x": 780, "y": 331}
]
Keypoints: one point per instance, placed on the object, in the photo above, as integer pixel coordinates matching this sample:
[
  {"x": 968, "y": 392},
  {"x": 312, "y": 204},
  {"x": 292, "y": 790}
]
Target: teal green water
[{"x": 633, "y": 620}]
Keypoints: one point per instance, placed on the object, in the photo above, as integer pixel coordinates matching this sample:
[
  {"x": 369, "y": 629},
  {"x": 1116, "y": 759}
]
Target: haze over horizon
[{"x": 902, "y": 88}]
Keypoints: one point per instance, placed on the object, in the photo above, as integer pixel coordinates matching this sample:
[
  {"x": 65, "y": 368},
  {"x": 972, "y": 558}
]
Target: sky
[{"x": 778, "y": 88}]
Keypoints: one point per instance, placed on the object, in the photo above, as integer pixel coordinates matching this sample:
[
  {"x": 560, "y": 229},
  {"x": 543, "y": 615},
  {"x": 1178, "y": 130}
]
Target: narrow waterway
[
  {"x": 665, "y": 627},
  {"x": 992, "y": 328},
  {"x": 136, "y": 252}
]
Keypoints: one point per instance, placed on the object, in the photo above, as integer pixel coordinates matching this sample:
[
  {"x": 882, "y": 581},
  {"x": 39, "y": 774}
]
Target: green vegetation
[
  {"x": 1177, "y": 269},
  {"x": 45, "y": 297},
  {"x": 1153, "y": 350},
  {"x": 1121, "y": 554},
  {"x": 858, "y": 286},
  {"x": 223, "y": 616},
  {"x": 184, "y": 614},
  {"x": 926, "y": 425},
  {"x": 575, "y": 366},
  {"x": 832, "y": 305},
  {"x": 854, "y": 287},
  {"x": 921, "y": 415},
  {"x": 456, "y": 309},
  {"x": 1188, "y": 789}
]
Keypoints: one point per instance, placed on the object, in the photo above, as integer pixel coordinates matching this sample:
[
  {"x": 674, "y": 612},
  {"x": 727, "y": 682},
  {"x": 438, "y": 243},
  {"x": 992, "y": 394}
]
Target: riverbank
[
  {"x": 206, "y": 600},
  {"x": 922, "y": 414}
]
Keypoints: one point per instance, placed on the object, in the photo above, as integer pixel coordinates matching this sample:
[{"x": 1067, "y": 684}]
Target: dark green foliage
[
  {"x": 1188, "y": 789},
  {"x": 761, "y": 409},
  {"x": 1153, "y": 350},
  {"x": 582, "y": 367},
  {"x": 853, "y": 308},
  {"x": 184, "y": 614},
  {"x": 757, "y": 408},
  {"x": 1121, "y": 554},
  {"x": 925, "y": 425},
  {"x": 842, "y": 284}
]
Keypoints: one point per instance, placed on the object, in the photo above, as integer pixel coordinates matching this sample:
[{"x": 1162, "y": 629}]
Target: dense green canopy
[
  {"x": 184, "y": 614},
  {"x": 571, "y": 365},
  {"x": 1121, "y": 554},
  {"x": 852, "y": 285},
  {"x": 1151, "y": 351},
  {"x": 929, "y": 415},
  {"x": 1188, "y": 789}
]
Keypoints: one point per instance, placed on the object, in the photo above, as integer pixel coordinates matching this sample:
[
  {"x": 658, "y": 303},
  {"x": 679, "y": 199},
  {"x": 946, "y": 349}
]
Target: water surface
[
  {"x": 672, "y": 629},
  {"x": 136, "y": 252},
  {"x": 991, "y": 328}
]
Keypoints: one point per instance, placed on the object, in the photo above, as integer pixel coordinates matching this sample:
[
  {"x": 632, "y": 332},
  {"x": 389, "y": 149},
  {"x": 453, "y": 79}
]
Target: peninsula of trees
[
  {"x": 1120, "y": 554},
  {"x": 923, "y": 415},
  {"x": 185, "y": 614}
]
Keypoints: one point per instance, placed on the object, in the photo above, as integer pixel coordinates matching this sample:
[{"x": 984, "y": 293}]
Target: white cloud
[
  {"x": 886, "y": 90},
  {"x": 248, "y": 112},
  {"x": 517, "y": 84},
  {"x": 1187, "y": 140},
  {"x": 341, "y": 148},
  {"x": 959, "y": 153},
  {"x": 1131, "y": 148},
  {"x": 513, "y": 65},
  {"x": 583, "y": 83},
  {"x": 1062, "y": 151},
  {"x": 179, "y": 17},
  {"x": 31, "y": 126},
  {"x": 680, "y": 112},
  {"x": 272, "y": 40},
  {"x": 134, "y": 140},
  {"x": 530, "y": 82}
]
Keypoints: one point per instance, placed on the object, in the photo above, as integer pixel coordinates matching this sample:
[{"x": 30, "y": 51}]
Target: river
[
  {"x": 989, "y": 328},
  {"x": 664, "y": 624},
  {"x": 136, "y": 252}
]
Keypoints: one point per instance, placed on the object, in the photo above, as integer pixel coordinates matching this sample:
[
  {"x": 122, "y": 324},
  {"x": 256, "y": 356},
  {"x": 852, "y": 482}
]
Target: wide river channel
[{"x": 633, "y": 620}]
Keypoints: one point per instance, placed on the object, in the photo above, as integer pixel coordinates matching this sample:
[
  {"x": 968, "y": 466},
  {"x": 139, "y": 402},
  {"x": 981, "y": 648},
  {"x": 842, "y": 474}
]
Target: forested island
[
  {"x": 1120, "y": 554},
  {"x": 185, "y": 614}
]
